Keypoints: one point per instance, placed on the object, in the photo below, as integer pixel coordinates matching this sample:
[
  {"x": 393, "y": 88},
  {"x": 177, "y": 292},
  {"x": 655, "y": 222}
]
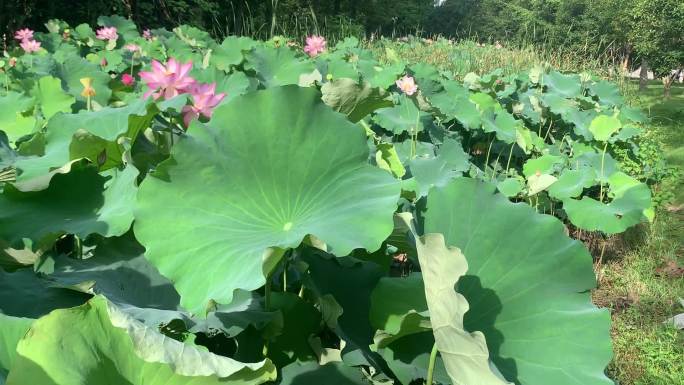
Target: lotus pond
[{"x": 177, "y": 210}]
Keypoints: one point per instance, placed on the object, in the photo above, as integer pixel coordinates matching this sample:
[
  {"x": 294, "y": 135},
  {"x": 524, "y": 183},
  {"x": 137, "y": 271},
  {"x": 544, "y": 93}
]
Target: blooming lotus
[
  {"x": 24, "y": 35},
  {"x": 107, "y": 33},
  {"x": 204, "y": 99},
  {"x": 407, "y": 85},
  {"x": 167, "y": 81},
  {"x": 127, "y": 79},
  {"x": 30, "y": 46},
  {"x": 147, "y": 34},
  {"x": 314, "y": 45},
  {"x": 132, "y": 47}
]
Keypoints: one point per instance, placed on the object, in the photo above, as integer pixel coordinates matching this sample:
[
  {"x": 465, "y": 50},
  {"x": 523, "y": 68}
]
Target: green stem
[
  {"x": 431, "y": 365},
  {"x": 285, "y": 277},
  {"x": 510, "y": 154},
  {"x": 603, "y": 159},
  {"x": 79, "y": 247},
  {"x": 489, "y": 150},
  {"x": 88, "y": 105},
  {"x": 548, "y": 131}
]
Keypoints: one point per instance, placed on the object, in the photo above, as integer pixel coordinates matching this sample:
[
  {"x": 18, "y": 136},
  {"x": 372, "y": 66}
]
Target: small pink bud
[{"x": 127, "y": 80}]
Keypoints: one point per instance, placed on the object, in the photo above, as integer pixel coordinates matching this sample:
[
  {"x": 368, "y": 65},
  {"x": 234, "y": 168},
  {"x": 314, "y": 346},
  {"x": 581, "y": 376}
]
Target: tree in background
[
  {"x": 657, "y": 34},
  {"x": 257, "y": 18}
]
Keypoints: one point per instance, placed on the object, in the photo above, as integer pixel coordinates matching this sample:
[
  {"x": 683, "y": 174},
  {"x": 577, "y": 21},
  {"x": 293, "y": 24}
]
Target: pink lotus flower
[
  {"x": 103, "y": 62},
  {"x": 167, "y": 81},
  {"x": 132, "y": 47},
  {"x": 407, "y": 85},
  {"x": 147, "y": 34},
  {"x": 315, "y": 45},
  {"x": 204, "y": 99},
  {"x": 30, "y": 46},
  {"x": 24, "y": 35},
  {"x": 107, "y": 33},
  {"x": 127, "y": 80}
]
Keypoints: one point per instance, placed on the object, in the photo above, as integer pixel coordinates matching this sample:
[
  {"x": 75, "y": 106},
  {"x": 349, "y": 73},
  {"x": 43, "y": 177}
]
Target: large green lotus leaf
[
  {"x": 607, "y": 93},
  {"x": 245, "y": 189},
  {"x": 502, "y": 123},
  {"x": 571, "y": 183},
  {"x": 12, "y": 329},
  {"x": 13, "y": 121},
  {"x": 119, "y": 270},
  {"x": 380, "y": 76},
  {"x": 451, "y": 161},
  {"x": 350, "y": 282},
  {"x": 84, "y": 135},
  {"x": 51, "y": 97},
  {"x": 558, "y": 104},
  {"x": 338, "y": 68},
  {"x": 76, "y": 68},
  {"x": 26, "y": 254},
  {"x": 387, "y": 158},
  {"x": 333, "y": 373},
  {"x": 567, "y": 86},
  {"x": 25, "y": 294},
  {"x": 404, "y": 117},
  {"x": 97, "y": 343},
  {"x": 81, "y": 202},
  {"x": 277, "y": 66},
  {"x": 510, "y": 187},
  {"x": 398, "y": 308},
  {"x": 544, "y": 164},
  {"x": 464, "y": 353},
  {"x": 484, "y": 102},
  {"x": 531, "y": 107},
  {"x": 627, "y": 132},
  {"x": 581, "y": 120},
  {"x": 629, "y": 207},
  {"x": 527, "y": 286},
  {"x": 604, "y": 126},
  {"x": 409, "y": 358},
  {"x": 300, "y": 320},
  {"x": 231, "y": 52},
  {"x": 591, "y": 161},
  {"x": 353, "y": 99},
  {"x": 454, "y": 102}
]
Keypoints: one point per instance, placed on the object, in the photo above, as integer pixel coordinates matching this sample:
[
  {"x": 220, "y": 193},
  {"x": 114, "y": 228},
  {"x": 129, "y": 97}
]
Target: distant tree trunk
[
  {"x": 625, "y": 60},
  {"x": 667, "y": 86},
  {"x": 643, "y": 75}
]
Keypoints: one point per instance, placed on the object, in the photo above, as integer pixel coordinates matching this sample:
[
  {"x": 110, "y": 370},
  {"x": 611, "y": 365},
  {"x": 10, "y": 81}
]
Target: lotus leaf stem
[
  {"x": 603, "y": 160},
  {"x": 431, "y": 365}
]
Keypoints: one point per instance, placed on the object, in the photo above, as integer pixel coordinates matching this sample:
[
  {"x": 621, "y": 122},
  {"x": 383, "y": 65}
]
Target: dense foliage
[
  {"x": 244, "y": 17},
  {"x": 178, "y": 211}
]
